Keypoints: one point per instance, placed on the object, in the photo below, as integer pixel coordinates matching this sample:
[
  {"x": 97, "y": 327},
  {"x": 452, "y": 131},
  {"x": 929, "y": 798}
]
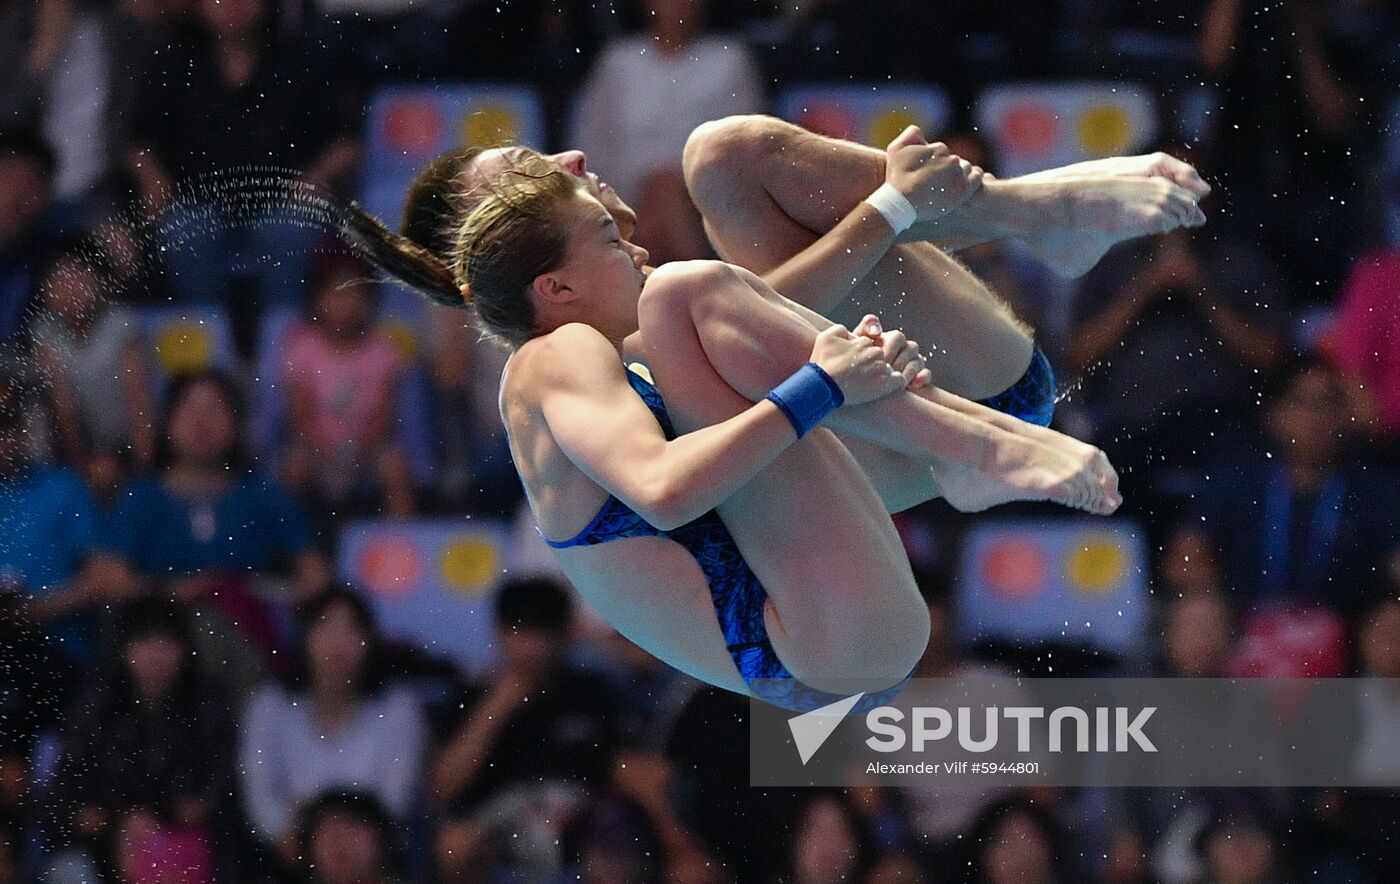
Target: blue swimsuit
[{"x": 737, "y": 595}]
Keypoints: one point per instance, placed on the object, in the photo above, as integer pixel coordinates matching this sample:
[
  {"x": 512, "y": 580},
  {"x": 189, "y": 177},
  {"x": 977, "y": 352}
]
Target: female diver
[{"x": 706, "y": 515}]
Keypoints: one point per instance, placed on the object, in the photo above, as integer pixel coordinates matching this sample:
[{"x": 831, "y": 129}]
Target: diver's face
[
  {"x": 571, "y": 162},
  {"x": 602, "y": 268}
]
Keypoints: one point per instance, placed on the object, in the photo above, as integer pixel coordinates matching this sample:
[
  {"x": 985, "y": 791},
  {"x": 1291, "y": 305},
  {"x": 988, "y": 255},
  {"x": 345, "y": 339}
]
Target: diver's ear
[{"x": 551, "y": 288}]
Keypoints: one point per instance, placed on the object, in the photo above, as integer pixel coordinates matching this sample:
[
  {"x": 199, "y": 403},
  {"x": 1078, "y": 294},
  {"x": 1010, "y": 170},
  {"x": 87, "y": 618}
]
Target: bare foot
[
  {"x": 1149, "y": 165},
  {"x": 1024, "y": 469},
  {"x": 1102, "y": 211}
]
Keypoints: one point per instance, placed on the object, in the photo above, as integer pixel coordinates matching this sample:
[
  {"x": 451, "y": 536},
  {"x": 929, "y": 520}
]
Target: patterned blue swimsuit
[{"x": 737, "y": 595}]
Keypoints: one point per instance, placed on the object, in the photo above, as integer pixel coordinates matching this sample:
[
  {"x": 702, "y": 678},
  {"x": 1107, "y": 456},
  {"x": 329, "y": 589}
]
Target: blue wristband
[{"x": 806, "y": 397}]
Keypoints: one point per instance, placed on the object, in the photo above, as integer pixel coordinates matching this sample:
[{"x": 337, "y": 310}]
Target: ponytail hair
[
  {"x": 405, "y": 260},
  {"x": 473, "y": 245},
  {"x": 420, "y": 256}
]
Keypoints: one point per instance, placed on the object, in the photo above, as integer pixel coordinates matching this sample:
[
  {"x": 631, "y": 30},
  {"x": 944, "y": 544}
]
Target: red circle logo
[
  {"x": 413, "y": 126},
  {"x": 1030, "y": 129}
]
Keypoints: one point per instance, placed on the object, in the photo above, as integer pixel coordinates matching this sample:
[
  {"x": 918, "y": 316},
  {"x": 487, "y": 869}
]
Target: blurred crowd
[{"x": 187, "y": 692}]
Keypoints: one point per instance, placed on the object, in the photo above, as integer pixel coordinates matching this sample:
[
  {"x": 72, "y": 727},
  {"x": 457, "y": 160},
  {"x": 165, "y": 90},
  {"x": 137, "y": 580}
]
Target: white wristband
[{"x": 894, "y": 206}]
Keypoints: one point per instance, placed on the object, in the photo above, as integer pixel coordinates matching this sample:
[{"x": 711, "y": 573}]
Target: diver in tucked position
[{"x": 713, "y": 490}]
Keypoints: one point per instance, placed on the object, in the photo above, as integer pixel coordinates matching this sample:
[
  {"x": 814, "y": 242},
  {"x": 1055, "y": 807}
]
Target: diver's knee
[
  {"x": 720, "y": 153},
  {"x": 682, "y": 285}
]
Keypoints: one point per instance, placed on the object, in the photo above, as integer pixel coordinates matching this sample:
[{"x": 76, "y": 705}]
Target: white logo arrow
[{"x": 811, "y": 729}]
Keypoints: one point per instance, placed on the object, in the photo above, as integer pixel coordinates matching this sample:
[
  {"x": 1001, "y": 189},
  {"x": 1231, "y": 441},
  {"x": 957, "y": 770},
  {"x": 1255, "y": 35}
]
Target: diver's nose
[{"x": 573, "y": 160}]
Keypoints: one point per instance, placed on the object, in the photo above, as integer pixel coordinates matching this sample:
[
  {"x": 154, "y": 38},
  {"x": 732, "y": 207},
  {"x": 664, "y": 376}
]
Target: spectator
[
  {"x": 147, "y": 755},
  {"x": 1199, "y": 637},
  {"x": 644, "y": 96},
  {"x": 1190, "y": 566},
  {"x": 1282, "y": 72},
  {"x": 348, "y": 838},
  {"x": 235, "y": 94},
  {"x": 1181, "y": 326},
  {"x": 1351, "y": 826},
  {"x": 538, "y": 739},
  {"x": 474, "y": 468},
  {"x": 64, "y": 89},
  {"x": 635, "y": 827},
  {"x": 48, "y": 530},
  {"x": 1242, "y": 847},
  {"x": 26, "y": 193},
  {"x": 36, "y": 686},
  {"x": 1364, "y": 342},
  {"x": 939, "y": 817},
  {"x": 212, "y": 526},
  {"x": 338, "y": 727},
  {"x": 1017, "y": 841},
  {"x": 344, "y": 380},
  {"x": 829, "y": 842},
  {"x": 1296, "y": 523},
  {"x": 92, "y": 355}
]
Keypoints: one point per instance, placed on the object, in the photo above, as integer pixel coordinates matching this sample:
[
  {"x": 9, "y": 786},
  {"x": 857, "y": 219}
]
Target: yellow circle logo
[
  {"x": 402, "y": 337},
  {"x": 469, "y": 565},
  {"x": 491, "y": 126},
  {"x": 890, "y": 124},
  {"x": 1105, "y": 130},
  {"x": 1096, "y": 566},
  {"x": 184, "y": 348}
]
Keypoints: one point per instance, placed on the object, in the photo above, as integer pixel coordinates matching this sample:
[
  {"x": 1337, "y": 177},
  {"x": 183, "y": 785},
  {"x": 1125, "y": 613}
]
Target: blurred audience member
[
  {"x": 829, "y": 842},
  {"x": 1176, "y": 326},
  {"x": 237, "y": 94},
  {"x": 216, "y": 530},
  {"x": 63, "y": 87},
  {"x": 1296, "y": 523},
  {"x": 1242, "y": 847},
  {"x": 1198, "y": 638},
  {"x": 1197, "y": 641},
  {"x": 641, "y": 101},
  {"x": 27, "y": 166},
  {"x": 642, "y": 828},
  {"x": 91, "y": 352},
  {"x": 344, "y": 381},
  {"x": 147, "y": 755},
  {"x": 1297, "y": 86},
  {"x": 474, "y": 469},
  {"x": 49, "y": 529},
  {"x": 36, "y": 686},
  {"x": 528, "y": 749},
  {"x": 1017, "y": 841},
  {"x": 939, "y": 818},
  {"x": 1190, "y": 566},
  {"x": 896, "y": 868},
  {"x": 1352, "y": 826},
  {"x": 339, "y": 727},
  {"x": 349, "y": 838},
  {"x": 1365, "y": 342}
]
